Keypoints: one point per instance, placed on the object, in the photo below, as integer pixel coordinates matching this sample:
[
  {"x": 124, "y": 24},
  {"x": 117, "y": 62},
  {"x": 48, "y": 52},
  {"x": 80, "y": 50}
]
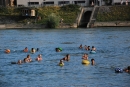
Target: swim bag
[{"x": 118, "y": 70}]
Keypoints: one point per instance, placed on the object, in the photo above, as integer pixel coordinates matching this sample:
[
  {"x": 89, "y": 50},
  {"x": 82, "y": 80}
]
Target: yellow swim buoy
[
  {"x": 85, "y": 62},
  {"x": 61, "y": 64}
]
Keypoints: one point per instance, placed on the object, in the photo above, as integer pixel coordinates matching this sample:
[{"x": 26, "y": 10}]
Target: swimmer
[
  {"x": 88, "y": 48},
  {"x": 19, "y": 62},
  {"x": 33, "y": 50},
  {"x": 67, "y": 57},
  {"x": 93, "y": 48},
  {"x": 61, "y": 63},
  {"x": 85, "y": 56},
  {"x": 127, "y": 69},
  {"x": 85, "y": 47},
  {"x": 57, "y": 50},
  {"x": 37, "y": 49},
  {"x": 26, "y": 49},
  {"x": 7, "y": 51},
  {"x": 80, "y": 46},
  {"x": 92, "y": 62},
  {"x": 27, "y": 59},
  {"x": 39, "y": 58}
]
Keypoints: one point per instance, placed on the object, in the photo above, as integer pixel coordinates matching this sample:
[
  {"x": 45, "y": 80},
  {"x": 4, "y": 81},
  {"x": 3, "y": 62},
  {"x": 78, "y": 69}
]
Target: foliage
[
  {"x": 70, "y": 7},
  {"x": 52, "y": 21},
  {"x": 67, "y": 12},
  {"x": 9, "y": 11},
  {"x": 115, "y": 13}
]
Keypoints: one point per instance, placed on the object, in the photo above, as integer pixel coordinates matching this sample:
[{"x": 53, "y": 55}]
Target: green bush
[
  {"x": 67, "y": 12},
  {"x": 114, "y": 13},
  {"x": 52, "y": 21},
  {"x": 70, "y": 7}
]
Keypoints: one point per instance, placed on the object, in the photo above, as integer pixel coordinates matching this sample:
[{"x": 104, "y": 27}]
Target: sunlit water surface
[{"x": 113, "y": 50}]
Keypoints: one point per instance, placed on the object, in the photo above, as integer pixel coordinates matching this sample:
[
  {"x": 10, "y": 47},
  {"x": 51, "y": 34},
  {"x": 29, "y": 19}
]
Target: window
[
  {"x": 33, "y": 3},
  {"x": 80, "y": 1},
  {"x": 63, "y": 2},
  {"x": 52, "y": 2}
]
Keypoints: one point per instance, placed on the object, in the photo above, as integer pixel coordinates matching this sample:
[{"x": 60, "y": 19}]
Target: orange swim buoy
[{"x": 7, "y": 51}]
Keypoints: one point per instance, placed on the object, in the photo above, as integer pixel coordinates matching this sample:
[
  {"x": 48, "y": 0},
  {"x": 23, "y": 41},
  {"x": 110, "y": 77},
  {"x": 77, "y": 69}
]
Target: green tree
[{"x": 52, "y": 21}]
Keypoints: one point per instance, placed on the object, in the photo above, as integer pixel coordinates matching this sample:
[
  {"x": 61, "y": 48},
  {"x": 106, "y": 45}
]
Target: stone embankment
[
  {"x": 15, "y": 25},
  {"x": 33, "y": 26},
  {"x": 112, "y": 24}
]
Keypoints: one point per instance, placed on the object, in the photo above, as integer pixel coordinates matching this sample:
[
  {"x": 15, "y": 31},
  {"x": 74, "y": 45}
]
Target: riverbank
[
  {"x": 40, "y": 26},
  {"x": 63, "y": 25},
  {"x": 112, "y": 24}
]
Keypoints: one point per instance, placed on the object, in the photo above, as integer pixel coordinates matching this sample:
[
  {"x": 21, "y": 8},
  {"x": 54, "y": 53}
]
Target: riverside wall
[
  {"x": 15, "y": 25},
  {"x": 112, "y": 24},
  {"x": 40, "y": 26},
  {"x": 33, "y": 26}
]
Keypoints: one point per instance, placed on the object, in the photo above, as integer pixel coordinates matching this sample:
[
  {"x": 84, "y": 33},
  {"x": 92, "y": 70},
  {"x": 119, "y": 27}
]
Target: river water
[{"x": 113, "y": 50}]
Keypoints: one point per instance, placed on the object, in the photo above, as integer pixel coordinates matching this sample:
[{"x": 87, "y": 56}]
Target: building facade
[
  {"x": 55, "y": 2},
  {"x": 5, "y": 3},
  {"x": 36, "y": 3}
]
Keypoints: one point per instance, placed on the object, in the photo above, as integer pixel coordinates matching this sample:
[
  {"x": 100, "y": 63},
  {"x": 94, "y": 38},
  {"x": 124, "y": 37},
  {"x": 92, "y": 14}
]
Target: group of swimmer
[
  {"x": 28, "y": 59},
  {"x": 66, "y": 58},
  {"x": 87, "y": 47},
  {"x": 25, "y": 50},
  {"x": 85, "y": 57}
]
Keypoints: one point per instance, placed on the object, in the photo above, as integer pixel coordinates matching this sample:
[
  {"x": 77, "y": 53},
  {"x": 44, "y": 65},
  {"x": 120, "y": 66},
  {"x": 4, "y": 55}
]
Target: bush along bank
[
  {"x": 113, "y": 16},
  {"x": 113, "y": 13},
  {"x": 48, "y": 15}
]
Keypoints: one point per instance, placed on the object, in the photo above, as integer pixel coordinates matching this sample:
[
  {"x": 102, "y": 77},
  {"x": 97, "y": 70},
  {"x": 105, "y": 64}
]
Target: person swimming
[
  {"x": 67, "y": 57},
  {"x": 88, "y": 48},
  {"x": 37, "y": 49},
  {"x": 39, "y": 58},
  {"x": 92, "y": 62},
  {"x": 33, "y": 50},
  {"x": 80, "y": 46},
  {"x": 61, "y": 63},
  {"x": 127, "y": 69},
  {"x": 27, "y": 59},
  {"x": 19, "y": 62},
  {"x": 7, "y": 51},
  {"x": 85, "y": 56},
  {"x": 26, "y": 49},
  {"x": 58, "y": 49},
  {"x": 85, "y": 47},
  {"x": 93, "y": 48}
]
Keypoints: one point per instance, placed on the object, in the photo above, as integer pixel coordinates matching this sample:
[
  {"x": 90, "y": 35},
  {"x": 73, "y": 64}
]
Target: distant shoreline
[
  {"x": 41, "y": 26},
  {"x": 33, "y": 26},
  {"x": 112, "y": 24}
]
